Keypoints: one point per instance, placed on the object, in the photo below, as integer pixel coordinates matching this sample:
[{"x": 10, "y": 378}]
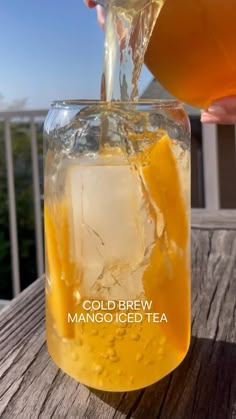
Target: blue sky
[{"x": 50, "y": 49}]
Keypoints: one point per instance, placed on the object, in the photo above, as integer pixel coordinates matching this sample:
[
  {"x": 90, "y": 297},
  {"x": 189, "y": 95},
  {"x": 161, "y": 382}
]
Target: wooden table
[{"x": 204, "y": 386}]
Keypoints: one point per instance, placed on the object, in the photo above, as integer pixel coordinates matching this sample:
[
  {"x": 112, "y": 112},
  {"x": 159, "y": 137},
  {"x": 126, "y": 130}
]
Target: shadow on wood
[{"x": 202, "y": 387}]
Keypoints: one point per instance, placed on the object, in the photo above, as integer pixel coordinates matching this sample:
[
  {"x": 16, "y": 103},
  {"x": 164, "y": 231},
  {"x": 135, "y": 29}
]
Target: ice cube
[{"x": 110, "y": 228}]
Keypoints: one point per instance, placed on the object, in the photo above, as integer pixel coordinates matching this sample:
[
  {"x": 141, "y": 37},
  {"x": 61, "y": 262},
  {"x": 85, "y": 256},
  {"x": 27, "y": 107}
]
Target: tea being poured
[
  {"x": 117, "y": 222},
  {"x": 129, "y": 24},
  {"x": 192, "y": 50}
]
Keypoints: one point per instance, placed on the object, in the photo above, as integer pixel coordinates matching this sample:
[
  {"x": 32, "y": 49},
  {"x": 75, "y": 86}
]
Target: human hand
[
  {"x": 100, "y": 12},
  {"x": 222, "y": 111}
]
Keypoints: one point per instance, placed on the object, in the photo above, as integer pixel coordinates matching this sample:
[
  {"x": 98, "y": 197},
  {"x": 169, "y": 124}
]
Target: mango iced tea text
[{"x": 109, "y": 312}]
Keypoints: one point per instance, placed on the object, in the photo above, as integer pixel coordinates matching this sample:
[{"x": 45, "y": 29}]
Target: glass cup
[{"x": 116, "y": 211}]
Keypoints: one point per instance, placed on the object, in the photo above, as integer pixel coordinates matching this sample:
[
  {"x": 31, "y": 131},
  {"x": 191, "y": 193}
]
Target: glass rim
[{"x": 157, "y": 103}]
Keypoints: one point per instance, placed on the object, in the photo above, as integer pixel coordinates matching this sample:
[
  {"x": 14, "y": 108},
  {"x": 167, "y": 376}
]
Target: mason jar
[{"x": 117, "y": 218}]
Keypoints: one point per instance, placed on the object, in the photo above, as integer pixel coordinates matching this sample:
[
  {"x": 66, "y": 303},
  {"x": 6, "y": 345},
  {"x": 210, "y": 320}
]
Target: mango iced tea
[
  {"x": 117, "y": 230},
  {"x": 192, "y": 50}
]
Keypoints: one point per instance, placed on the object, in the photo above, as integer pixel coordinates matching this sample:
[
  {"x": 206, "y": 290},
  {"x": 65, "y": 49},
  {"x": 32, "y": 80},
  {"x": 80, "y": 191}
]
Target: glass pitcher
[
  {"x": 117, "y": 240},
  {"x": 195, "y": 38}
]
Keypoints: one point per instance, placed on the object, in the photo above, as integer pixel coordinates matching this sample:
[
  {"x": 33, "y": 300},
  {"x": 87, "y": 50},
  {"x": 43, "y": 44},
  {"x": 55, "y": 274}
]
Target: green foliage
[{"x": 21, "y": 147}]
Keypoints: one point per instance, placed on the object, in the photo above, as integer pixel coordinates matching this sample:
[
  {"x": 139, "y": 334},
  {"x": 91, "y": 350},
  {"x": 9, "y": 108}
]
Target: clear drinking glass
[{"x": 117, "y": 179}]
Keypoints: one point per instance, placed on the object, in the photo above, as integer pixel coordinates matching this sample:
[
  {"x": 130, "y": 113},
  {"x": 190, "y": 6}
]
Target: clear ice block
[{"x": 110, "y": 227}]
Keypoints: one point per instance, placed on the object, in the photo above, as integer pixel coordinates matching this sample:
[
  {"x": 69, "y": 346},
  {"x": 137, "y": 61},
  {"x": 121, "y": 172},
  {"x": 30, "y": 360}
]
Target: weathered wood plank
[
  {"x": 202, "y": 387},
  {"x": 217, "y": 220}
]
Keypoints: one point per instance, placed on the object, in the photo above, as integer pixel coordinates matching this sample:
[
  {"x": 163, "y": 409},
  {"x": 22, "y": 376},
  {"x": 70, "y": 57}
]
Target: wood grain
[
  {"x": 202, "y": 387},
  {"x": 218, "y": 220}
]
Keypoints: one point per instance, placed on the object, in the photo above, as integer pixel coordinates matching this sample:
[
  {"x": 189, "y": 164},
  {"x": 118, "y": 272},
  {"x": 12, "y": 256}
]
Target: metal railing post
[
  {"x": 210, "y": 166},
  {"x": 12, "y": 209}
]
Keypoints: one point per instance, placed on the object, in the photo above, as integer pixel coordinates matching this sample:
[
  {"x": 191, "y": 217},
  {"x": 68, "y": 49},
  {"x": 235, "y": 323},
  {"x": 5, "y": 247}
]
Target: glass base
[{"x": 114, "y": 366}]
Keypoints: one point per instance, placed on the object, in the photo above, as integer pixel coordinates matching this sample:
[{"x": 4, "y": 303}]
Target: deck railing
[
  {"x": 210, "y": 182},
  {"x": 32, "y": 117}
]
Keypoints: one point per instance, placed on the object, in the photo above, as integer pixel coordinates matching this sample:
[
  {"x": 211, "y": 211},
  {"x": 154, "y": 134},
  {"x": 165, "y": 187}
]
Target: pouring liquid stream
[{"x": 128, "y": 28}]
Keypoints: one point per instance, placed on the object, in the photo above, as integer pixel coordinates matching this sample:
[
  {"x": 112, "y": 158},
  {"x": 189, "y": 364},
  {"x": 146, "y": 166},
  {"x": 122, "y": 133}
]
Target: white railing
[
  {"x": 32, "y": 117},
  {"x": 210, "y": 166},
  {"x": 210, "y": 182}
]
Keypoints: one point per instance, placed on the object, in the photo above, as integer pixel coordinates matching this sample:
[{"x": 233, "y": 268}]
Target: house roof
[{"x": 156, "y": 91}]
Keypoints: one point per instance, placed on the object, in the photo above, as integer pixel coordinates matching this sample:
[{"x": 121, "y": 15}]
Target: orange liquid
[
  {"x": 117, "y": 355},
  {"x": 192, "y": 50}
]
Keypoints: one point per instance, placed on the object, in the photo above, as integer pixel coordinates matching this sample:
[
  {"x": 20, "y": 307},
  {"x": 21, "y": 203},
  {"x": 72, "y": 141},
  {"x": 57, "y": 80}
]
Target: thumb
[{"x": 221, "y": 111}]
